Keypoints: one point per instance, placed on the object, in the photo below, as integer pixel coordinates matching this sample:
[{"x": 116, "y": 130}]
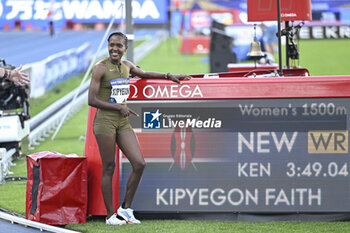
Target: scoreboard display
[{"x": 243, "y": 155}]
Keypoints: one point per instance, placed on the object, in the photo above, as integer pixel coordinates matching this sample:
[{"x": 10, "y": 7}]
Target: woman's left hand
[{"x": 177, "y": 77}]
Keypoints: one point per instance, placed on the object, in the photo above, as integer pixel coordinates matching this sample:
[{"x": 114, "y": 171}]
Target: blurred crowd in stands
[{"x": 68, "y": 26}]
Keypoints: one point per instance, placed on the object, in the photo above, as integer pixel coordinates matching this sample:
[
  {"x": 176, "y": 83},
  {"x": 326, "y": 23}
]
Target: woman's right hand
[{"x": 125, "y": 111}]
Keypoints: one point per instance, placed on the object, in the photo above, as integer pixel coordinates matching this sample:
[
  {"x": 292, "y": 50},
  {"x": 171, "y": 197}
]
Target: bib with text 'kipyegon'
[{"x": 120, "y": 90}]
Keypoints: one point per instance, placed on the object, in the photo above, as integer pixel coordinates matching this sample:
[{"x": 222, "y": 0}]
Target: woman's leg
[
  {"x": 106, "y": 145},
  {"x": 128, "y": 143}
]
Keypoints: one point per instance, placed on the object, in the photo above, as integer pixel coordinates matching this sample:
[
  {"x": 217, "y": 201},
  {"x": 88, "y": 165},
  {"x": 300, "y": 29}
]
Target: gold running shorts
[{"x": 110, "y": 122}]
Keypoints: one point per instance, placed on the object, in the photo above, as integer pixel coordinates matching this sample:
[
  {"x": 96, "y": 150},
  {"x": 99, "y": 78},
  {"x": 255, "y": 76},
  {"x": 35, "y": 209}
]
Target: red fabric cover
[{"x": 60, "y": 188}]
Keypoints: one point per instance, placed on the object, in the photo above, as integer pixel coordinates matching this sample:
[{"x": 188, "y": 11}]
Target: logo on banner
[
  {"x": 165, "y": 120},
  {"x": 152, "y": 120},
  {"x": 167, "y": 91},
  {"x": 330, "y": 141},
  {"x": 145, "y": 10}
]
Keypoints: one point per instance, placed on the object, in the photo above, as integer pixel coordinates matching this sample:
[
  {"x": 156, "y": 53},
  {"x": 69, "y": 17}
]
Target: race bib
[{"x": 120, "y": 90}]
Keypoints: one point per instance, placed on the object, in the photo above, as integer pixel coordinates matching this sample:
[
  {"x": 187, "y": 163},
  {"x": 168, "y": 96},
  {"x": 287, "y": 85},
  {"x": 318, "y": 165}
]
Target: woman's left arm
[{"x": 137, "y": 71}]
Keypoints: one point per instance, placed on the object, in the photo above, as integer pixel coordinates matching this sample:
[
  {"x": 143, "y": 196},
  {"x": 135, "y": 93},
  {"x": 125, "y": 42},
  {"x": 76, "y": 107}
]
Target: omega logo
[{"x": 168, "y": 91}]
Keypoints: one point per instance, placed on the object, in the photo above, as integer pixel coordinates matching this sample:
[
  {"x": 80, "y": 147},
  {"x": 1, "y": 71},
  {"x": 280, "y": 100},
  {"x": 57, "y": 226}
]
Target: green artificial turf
[
  {"x": 39, "y": 104},
  {"x": 182, "y": 226},
  {"x": 325, "y": 57},
  {"x": 167, "y": 58},
  {"x": 321, "y": 57}
]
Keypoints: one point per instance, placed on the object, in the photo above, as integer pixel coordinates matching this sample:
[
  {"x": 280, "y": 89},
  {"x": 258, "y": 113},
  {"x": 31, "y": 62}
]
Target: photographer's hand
[{"x": 18, "y": 77}]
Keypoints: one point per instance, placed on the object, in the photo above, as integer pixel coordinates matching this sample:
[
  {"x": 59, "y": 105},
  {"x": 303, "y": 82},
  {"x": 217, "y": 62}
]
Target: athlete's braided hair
[{"x": 119, "y": 34}]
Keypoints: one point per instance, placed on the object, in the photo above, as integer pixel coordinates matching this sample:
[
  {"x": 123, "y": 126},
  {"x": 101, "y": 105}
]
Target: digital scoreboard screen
[{"x": 242, "y": 155}]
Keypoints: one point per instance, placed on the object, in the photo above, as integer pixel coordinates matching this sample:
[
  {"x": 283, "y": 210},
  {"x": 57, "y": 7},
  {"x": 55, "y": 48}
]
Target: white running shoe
[
  {"x": 128, "y": 215},
  {"x": 113, "y": 220}
]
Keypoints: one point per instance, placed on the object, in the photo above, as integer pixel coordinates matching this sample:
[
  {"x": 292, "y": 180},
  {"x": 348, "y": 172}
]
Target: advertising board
[
  {"x": 36, "y": 12},
  {"x": 256, "y": 155},
  {"x": 266, "y": 151}
]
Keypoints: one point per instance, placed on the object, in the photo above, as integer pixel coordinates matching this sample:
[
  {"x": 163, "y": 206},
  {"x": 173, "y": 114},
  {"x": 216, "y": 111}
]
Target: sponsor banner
[
  {"x": 245, "y": 117},
  {"x": 39, "y": 12},
  {"x": 46, "y": 74},
  {"x": 324, "y": 32},
  {"x": 327, "y": 5},
  {"x": 228, "y": 85},
  {"x": 244, "y": 155}
]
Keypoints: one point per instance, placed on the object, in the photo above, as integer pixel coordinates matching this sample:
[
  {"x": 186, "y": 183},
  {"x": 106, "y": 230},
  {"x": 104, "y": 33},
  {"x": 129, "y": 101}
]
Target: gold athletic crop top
[{"x": 114, "y": 86}]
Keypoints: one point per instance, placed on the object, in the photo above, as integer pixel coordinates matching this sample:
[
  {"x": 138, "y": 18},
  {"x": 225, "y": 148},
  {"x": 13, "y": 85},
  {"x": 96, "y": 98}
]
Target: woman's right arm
[{"x": 97, "y": 74}]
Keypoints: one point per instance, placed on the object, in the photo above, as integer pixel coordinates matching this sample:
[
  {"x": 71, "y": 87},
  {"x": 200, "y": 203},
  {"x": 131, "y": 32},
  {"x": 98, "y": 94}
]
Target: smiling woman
[{"x": 108, "y": 92}]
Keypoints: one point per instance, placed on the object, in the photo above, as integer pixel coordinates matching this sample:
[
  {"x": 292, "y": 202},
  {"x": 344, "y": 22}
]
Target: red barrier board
[
  {"x": 232, "y": 88},
  {"x": 56, "y": 188},
  {"x": 195, "y": 45},
  {"x": 225, "y": 86},
  {"x": 210, "y": 135},
  {"x": 291, "y": 10}
]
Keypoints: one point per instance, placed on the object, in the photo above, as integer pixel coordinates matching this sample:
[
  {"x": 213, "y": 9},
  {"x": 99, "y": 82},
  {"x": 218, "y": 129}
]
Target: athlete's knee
[
  {"x": 108, "y": 168},
  {"x": 139, "y": 166}
]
